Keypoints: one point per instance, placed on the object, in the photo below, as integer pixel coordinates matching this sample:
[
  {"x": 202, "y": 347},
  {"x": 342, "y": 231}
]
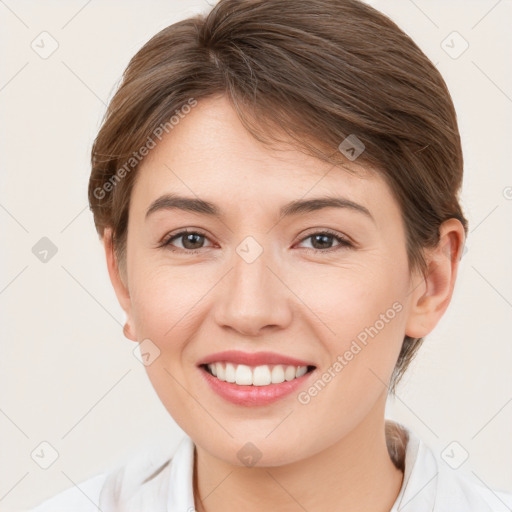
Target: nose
[{"x": 253, "y": 297}]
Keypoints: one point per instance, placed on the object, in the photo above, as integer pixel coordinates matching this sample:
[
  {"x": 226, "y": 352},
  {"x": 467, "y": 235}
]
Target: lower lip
[{"x": 253, "y": 395}]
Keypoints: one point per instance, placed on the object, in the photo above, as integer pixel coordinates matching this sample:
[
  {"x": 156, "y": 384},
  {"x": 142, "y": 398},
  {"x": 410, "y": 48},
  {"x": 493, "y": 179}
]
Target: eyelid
[
  {"x": 165, "y": 242},
  {"x": 344, "y": 242},
  {"x": 327, "y": 231}
]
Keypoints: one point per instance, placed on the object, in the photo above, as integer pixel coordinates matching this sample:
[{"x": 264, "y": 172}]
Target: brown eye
[
  {"x": 323, "y": 241},
  {"x": 190, "y": 241}
]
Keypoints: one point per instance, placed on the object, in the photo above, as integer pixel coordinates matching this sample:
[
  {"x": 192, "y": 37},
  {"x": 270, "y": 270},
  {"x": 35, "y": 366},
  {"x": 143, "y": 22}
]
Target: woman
[{"x": 276, "y": 188}]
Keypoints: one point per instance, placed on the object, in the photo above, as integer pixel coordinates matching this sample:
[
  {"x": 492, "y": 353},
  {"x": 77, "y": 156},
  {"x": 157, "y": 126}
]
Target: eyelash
[{"x": 343, "y": 242}]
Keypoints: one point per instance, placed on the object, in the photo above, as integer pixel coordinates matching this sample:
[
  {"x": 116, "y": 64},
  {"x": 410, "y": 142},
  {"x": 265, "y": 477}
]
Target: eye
[
  {"x": 322, "y": 241},
  {"x": 191, "y": 241}
]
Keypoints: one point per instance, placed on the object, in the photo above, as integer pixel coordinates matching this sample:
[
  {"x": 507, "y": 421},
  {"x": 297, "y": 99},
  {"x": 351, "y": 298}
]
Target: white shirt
[{"x": 159, "y": 483}]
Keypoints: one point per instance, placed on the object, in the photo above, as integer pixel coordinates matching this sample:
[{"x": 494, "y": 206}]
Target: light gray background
[{"x": 68, "y": 375}]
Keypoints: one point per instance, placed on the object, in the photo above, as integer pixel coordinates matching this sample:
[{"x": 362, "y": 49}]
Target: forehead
[{"x": 209, "y": 154}]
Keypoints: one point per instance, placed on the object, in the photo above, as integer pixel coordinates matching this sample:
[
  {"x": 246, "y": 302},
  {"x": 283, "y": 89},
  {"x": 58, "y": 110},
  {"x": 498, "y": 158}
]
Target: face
[{"x": 321, "y": 290}]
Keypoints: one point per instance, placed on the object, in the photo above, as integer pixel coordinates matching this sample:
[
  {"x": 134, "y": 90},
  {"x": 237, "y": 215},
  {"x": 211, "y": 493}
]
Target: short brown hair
[{"x": 316, "y": 71}]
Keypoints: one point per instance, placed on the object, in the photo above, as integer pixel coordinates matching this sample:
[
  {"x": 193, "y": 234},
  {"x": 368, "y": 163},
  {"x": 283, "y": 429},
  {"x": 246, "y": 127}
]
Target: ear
[
  {"x": 432, "y": 293},
  {"x": 119, "y": 283}
]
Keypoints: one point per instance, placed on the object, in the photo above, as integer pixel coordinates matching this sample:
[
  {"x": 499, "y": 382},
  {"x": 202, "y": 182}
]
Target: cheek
[
  {"x": 348, "y": 300},
  {"x": 364, "y": 309},
  {"x": 164, "y": 310},
  {"x": 164, "y": 299},
  {"x": 361, "y": 357}
]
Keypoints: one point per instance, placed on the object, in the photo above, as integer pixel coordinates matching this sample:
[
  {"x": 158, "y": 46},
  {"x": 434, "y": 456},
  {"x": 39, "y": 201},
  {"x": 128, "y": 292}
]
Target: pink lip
[
  {"x": 252, "y": 395},
  {"x": 252, "y": 359}
]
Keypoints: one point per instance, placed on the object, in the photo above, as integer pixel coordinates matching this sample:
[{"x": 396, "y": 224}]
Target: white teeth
[
  {"x": 301, "y": 370},
  {"x": 263, "y": 375},
  {"x": 230, "y": 372},
  {"x": 221, "y": 372},
  {"x": 277, "y": 374},
  {"x": 289, "y": 373},
  {"x": 243, "y": 375}
]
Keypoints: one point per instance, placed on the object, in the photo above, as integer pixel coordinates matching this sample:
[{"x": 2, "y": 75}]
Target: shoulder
[
  {"x": 107, "y": 490},
  {"x": 460, "y": 490},
  {"x": 500, "y": 501},
  {"x": 158, "y": 481},
  {"x": 83, "y": 497},
  {"x": 430, "y": 484},
  {"x": 144, "y": 482}
]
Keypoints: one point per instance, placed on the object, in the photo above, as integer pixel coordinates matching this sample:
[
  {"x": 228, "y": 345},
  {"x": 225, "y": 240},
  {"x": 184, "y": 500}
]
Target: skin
[{"x": 329, "y": 454}]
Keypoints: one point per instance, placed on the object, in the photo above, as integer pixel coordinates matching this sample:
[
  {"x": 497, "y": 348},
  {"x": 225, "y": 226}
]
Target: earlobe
[
  {"x": 432, "y": 294},
  {"x": 127, "y": 331},
  {"x": 120, "y": 287}
]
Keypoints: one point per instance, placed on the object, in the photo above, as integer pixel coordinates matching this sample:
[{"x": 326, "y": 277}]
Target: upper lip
[{"x": 252, "y": 358}]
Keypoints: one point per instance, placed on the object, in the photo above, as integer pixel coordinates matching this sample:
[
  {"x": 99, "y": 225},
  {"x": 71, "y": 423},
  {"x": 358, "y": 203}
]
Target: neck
[{"x": 356, "y": 474}]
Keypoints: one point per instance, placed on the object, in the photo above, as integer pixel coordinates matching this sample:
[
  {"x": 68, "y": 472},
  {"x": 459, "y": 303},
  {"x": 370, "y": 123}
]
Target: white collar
[
  {"x": 166, "y": 485},
  {"x": 430, "y": 485}
]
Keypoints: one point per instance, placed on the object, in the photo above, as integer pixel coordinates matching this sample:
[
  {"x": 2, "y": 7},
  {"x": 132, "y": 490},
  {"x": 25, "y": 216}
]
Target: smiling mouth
[{"x": 263, "y": 375}]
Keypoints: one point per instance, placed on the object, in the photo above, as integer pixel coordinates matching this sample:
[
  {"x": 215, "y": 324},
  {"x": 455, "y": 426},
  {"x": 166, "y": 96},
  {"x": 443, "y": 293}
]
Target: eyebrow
[{"x": 301, "y": 206}]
